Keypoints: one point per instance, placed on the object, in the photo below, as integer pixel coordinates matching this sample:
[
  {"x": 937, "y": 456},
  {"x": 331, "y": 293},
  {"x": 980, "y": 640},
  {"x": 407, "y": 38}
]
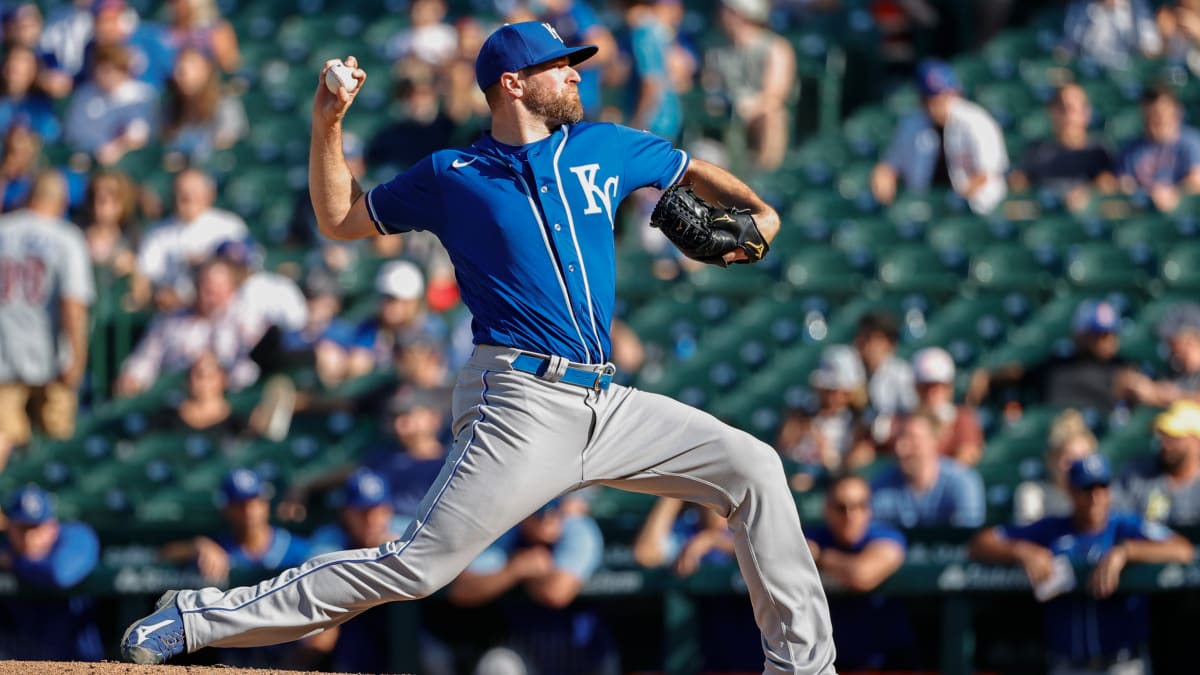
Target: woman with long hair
[{"x": 199, "y": 118}]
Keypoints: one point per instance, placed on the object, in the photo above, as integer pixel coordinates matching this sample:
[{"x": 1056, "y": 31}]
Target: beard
[{"x": 555, "y": 109}]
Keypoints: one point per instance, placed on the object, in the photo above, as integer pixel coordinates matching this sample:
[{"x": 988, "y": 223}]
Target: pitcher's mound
[{"x": 113, "y": 668}]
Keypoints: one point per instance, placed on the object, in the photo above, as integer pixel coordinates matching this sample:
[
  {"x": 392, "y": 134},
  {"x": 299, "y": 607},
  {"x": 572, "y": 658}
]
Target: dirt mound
[{"x": 112, "y": 668}]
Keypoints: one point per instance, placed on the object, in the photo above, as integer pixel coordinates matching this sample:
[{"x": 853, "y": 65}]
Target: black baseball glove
[{"x": 705, "y": 232}]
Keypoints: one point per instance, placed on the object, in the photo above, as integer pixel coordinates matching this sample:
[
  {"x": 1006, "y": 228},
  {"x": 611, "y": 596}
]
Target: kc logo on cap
[{"x": 514, "y": 47}]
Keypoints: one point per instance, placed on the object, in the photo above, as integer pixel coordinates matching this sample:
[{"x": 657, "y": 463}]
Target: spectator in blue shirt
[
  {"x": 857, "y": 553},
  {"x": 1096, "y": 631},
  {"x": 19, "y": 99},
  {"x": 251, "y": 543},
  {"x": 21, "y": 161},
  {"x": 115, "y": 23},
  {"x": 924, "y": 488},
  {"x": 653, "y": 104},
  {"x": 550, "y": 556},
  {"x": 23, "y": 29},
  {"x": 408, "y": 460},
  {"x": 46, "y": 553},
  {"x": 402, "y": 319},
  {"x": 365, "y": 519},
  {"x": 1165, "y": 162},
  {"x": 577, "y": 24}
]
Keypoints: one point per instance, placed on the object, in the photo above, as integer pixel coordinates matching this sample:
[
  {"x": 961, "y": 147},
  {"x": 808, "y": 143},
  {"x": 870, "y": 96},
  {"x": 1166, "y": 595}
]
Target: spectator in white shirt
[
  {"x": 264, "y": 299},
  {"x": 950, "y": 141},
  {"x": 169, "y": 249},
  {"x": 1111, "y": 32},
  {"x": 112, "y": 113},
  {"x": 430, "y": 39},
  {"x": 174, "y": 341}
]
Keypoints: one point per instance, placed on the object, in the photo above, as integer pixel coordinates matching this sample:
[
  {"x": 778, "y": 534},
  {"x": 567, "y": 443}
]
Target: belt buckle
[{"x": 608, "y": 370}]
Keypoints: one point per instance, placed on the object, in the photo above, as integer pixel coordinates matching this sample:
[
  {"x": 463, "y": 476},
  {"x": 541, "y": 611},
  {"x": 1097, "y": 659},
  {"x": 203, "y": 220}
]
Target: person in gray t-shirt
[
  {"x": 45, "y": 288},
  {"x": 1166, "y": 487}
]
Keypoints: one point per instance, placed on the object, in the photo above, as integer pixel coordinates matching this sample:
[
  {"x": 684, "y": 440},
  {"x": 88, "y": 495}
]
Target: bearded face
[{"x": 556, "y": 108}]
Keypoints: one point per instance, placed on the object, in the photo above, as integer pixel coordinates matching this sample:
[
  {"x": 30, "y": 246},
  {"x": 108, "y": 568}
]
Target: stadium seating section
[{"x": 737, "y": 342}]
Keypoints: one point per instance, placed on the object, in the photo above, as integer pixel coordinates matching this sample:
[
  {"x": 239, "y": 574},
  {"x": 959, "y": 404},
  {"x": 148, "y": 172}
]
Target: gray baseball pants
[{"x": 520, "y": 441}]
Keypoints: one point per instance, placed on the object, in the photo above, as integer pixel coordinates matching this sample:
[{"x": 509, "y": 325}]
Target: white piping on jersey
[
  {"x": 371, "y": 212},
  {"x": 562, "y": 284},
  {"x": 587, "y": 289},
  {"x": 683, "y": 165}
]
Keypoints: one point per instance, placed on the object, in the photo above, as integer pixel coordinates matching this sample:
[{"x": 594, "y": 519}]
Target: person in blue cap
[
  {"x": 1091, "y": 630},
  {"x": 251, "y": 543},
  {"x": 365, "y": 518},
  {"x": 949, "y": 142},
  {"x": 1090, "y": 377},
  {"x": 527, "y": 215},
  {"x": 46, "y": 553},
  {"x": 549, "y": 557}
]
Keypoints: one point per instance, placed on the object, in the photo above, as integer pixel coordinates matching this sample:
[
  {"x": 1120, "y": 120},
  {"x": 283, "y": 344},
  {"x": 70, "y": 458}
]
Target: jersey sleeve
[
  {"x": 494, "y": 557},
  {"x": 969, "y": 508},
  {"x": 649, "y": 161},
  {"x": 581, "y": 548},
  {"x": 410, "y": 201},
  {"x": 1037, "y": 532},
  {"x": 884, "y": 532},
  {"x": 77, "y": 278},
  {"x": 1134, "y": 527}
]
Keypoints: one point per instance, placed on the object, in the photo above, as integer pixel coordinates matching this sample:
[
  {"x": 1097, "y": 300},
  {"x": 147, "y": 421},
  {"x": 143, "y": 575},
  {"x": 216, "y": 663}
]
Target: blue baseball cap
[
  {"x": 243, "y": 252},
  {"x": 241, "y": 485},
  {"x": 517, "y": 46},
  {"x": 935, "y": 77},
  {"x": 1089, "y": 472},
  {"x": 30, "y": 505},
  {"x": 365, "y": 489},
  {"x": 1094, "y": 317}
]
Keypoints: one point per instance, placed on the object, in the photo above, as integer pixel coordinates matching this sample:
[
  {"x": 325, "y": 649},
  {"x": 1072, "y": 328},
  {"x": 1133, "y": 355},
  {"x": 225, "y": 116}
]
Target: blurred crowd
[{"x": 887, "y": 440}]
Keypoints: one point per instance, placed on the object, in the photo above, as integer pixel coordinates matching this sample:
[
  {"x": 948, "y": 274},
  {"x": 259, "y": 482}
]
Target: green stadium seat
[
  {"x": 1049, "y": 237},
  {"x": 1181, "y": 268},
  {"x": 960, "y": 235},
  {"x": 1130, "y": 440},
  {"x": 1100, "y": 266},
  {"x": 916, "y": 268},
  {"x": 1007, "y": 267},
  {"x": 735, "y": 281},
  {"x": 965, "y": 327},
  {"x": 866, "y": 236},
  {"x": 823, "y": 271}
]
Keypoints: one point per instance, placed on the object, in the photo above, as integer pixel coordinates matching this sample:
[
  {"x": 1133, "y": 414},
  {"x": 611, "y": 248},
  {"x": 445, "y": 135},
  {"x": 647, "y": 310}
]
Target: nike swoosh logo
[
  {"x": 144, "y": 632},
  {"x": 458, "y": 163}
]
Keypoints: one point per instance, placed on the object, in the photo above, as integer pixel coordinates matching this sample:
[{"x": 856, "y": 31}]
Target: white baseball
[{"x": 340, "y": 75}]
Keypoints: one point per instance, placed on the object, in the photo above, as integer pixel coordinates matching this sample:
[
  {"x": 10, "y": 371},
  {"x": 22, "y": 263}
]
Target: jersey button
[
  {"x": 557, "y": 227},
  {"x": 545, "y": 189},
  {"x": 570, "y": 268}
]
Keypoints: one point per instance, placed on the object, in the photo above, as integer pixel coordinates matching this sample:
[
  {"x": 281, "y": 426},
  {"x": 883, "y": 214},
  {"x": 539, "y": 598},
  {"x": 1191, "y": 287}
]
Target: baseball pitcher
[{"x": 526, "y": 214}]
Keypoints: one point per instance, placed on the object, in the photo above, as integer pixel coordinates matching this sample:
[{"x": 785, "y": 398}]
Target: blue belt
[{"x": 580, "y": 377}]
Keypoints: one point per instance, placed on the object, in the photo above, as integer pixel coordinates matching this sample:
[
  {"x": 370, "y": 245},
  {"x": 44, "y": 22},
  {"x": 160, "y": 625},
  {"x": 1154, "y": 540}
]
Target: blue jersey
[
  {"x": 408, "y": 479},
  {"x": 873, "y": 629},
  {"x": 1078, "y": 626},
  {"x": 286, "y": 550},
  {"x": 530, "y": 229},
  {"x": 956, "y": 499},
  {"x": 573, "y": 25},
  {"x": 53, "y": 627}
]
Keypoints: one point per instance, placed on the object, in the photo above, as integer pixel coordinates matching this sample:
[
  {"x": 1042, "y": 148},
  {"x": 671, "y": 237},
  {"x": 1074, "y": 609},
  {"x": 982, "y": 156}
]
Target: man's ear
[{"x": 512, "y": 84}]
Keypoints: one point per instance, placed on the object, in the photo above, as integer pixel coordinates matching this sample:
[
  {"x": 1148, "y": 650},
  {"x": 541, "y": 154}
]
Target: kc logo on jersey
[{"x": 586, "y": 174}]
